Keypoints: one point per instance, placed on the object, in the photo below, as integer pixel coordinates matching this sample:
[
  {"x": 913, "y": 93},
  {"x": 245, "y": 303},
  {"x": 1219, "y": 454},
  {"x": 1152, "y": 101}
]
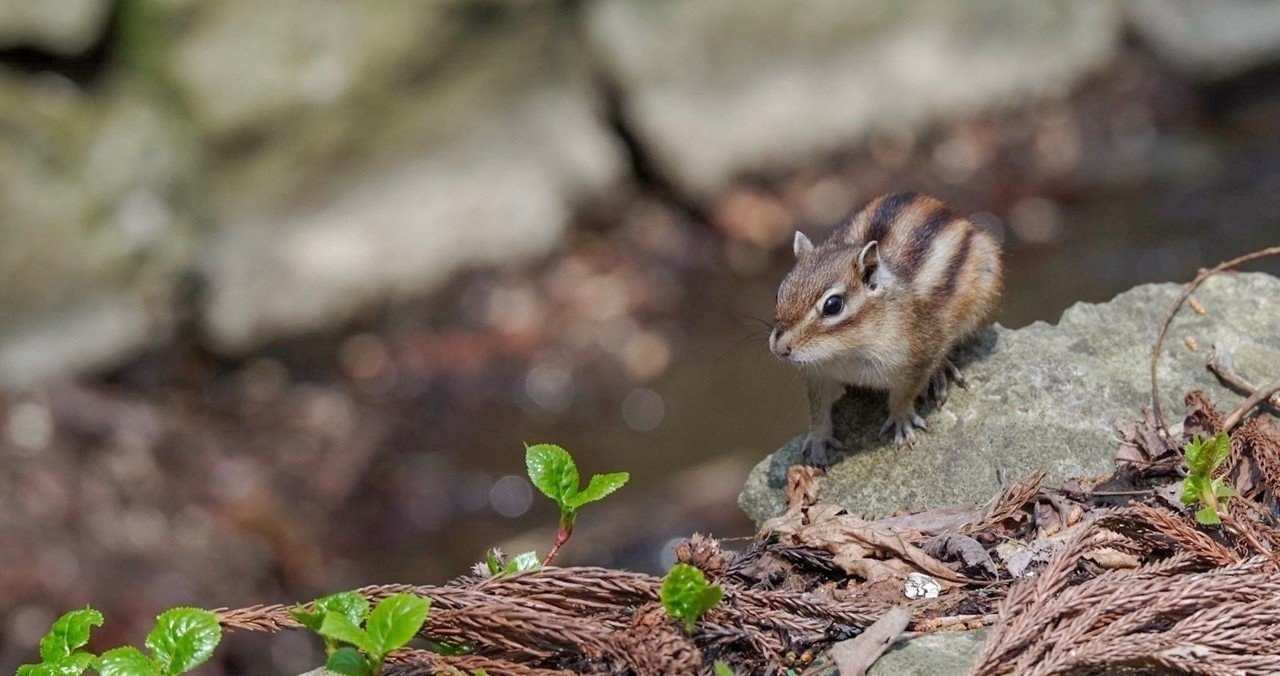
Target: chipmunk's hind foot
[{"x": 941, "y": 380}]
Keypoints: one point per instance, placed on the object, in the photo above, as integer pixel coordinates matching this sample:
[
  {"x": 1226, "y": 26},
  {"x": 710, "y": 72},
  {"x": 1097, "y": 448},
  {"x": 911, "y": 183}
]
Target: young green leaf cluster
[
  {"x": 686, "y": 595},
  {"x": 497, "y": 564},
  {"x": 553, "y": 471},
  {"x": 338, "y": 619},
  {"x": 1200, "y": 487},
  {"x": 183, "y": 639},
  {"x": 60, "y": 653}
]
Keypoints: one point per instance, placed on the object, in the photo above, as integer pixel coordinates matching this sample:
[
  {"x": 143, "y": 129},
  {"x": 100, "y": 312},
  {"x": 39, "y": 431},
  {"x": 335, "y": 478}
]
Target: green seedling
[
  {"x": 183, "y": 639},
  {"x": 60, "y": 653},
  {"x": 553, "y": 471},
  {"x": 499, "y": 564},
  {"x": 352, "y": 605},
  {"x": 723, "y": 669},
  {"x": 1200, "y": 487},
  {"x": 391, "y": 624},
  {"x": 686, "y": 595}
]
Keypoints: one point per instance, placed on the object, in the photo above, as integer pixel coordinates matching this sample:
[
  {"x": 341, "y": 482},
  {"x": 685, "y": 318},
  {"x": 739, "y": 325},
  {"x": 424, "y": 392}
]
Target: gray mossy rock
[
  {"x": 437, "y": 136},
  {"x": 96, "y": 221},
  {"x": 1041, "y": 397},
  {"x": 941, "y": 654}
]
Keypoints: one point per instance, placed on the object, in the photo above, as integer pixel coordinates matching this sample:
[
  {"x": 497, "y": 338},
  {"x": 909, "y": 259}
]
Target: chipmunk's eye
[{"x": 832, "y": 305}]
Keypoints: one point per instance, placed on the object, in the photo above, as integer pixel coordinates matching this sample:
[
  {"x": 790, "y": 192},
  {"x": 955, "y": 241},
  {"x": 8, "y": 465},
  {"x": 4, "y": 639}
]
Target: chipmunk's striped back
[{"x": 946, "y": 261}]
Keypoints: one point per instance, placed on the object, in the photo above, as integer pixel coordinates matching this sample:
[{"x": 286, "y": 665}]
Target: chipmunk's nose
[{"x": 779, "y": 347}]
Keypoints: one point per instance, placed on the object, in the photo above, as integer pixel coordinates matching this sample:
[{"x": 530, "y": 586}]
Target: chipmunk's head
[{"x": 835, "y": 300}]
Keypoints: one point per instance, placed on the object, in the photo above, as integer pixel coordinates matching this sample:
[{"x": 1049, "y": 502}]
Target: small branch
[
  {"x": 854, "y": 656},
  {"x": 954, "y": 622},
  {"x": 1168, "y": 318},
  {"x": 1262, "y": 394},
  {"x": 1221, "y": 364}
]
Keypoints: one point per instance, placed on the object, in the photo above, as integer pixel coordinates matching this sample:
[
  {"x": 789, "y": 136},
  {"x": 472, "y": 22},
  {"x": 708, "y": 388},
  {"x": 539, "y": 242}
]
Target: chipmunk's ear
[
  {"x": 869, "y": 257},
  {"x": 801, "y": 245},
  {"x": 873, "y": 275}
]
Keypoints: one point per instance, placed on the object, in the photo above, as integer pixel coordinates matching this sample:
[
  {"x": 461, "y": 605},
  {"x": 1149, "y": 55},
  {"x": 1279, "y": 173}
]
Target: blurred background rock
[{"x": 284, "y": 285}]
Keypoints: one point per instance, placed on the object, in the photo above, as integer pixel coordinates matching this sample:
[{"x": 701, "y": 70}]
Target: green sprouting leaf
[
  {"x": 1222, "y": 490},
  {"x": 723, "y": 669},
  {"x": 63, "y": 667},
  {"x": 183, "y": 639},
  {"x": 68, "y": 633},
  {"x": 75, "y": 664},
  {"x": 553, "y": 471},
  {"x": 394, "y": 622},
  {"x": 1208, "y": 517},
  {"x": 1205, "y": 455},
  {"x": 349, "y": 662},
  {"x": 497, "y": 564},
  {"x": 1195, "y": 454},
  {"x": 340, "y": 628},
  {"x": 1219, "y": 448},
  {"x": 599, "y": 486},
  {"x": 71, "y": 665},
  {"x": 349, "y": 603},
  {"x": 493, "y": 559},
  {"x": 525, "y": 562},
  {"x": 686, "y": 594},
  {"x": 127, "y": 661},
  {"x": 1192, "y": 488}
]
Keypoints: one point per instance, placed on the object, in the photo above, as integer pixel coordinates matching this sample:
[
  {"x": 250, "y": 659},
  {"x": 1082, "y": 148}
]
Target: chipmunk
[{"x": 881, "y": 304}]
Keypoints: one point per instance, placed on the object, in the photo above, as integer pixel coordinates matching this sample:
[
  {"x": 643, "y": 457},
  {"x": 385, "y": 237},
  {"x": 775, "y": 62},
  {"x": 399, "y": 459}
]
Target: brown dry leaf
[
  {"x": 966, "y": 551},
  {"x": 1203, "y": 418},
  {"x": 1141, "y": 442},
  {"x": 851, "y": 540},
  {"x": 1113, "y": 559},
  {"x": 1008, "y": 503},
  {"x": 1260, "y": 443},
  {"x": 802, "y": 485},
  {"x": 854, "y": 656},
  {"x": 930, "y": 522}
]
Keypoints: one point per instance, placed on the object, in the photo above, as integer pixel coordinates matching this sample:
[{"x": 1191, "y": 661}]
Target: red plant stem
[{"x": 562, "y": 536}]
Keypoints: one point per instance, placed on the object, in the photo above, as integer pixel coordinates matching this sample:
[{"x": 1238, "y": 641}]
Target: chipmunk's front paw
[
  {"x": 902, "y": 428},
  {"x": 819, "y": 451}
]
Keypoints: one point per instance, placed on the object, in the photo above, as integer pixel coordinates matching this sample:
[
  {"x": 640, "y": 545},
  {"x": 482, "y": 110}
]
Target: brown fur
[{"x": 938, "y": 283}]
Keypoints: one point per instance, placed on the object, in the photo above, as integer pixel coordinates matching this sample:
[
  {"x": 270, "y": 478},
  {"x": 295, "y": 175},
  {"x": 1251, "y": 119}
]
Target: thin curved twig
[{"x": 1168, "y": 318}]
